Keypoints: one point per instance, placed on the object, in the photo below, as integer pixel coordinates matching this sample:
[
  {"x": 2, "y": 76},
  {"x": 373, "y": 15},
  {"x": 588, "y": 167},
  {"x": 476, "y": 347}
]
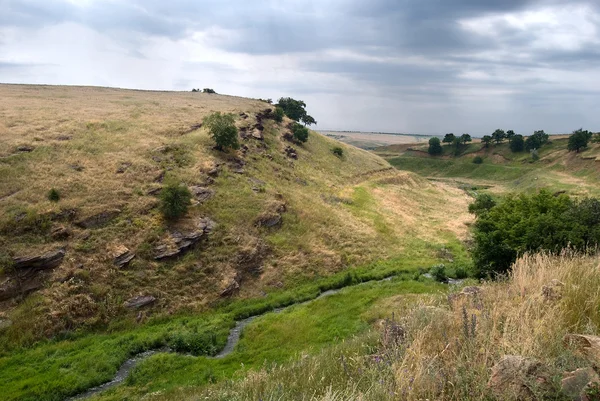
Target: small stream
[{"x": 232, "y": 341}]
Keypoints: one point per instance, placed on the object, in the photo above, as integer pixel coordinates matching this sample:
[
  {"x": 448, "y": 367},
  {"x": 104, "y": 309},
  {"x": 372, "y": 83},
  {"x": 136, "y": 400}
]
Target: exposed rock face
[
  {"x": 140, "y": 301},
  {"x": 231, "y": 288},
  {"x": 268, "y": 219},
  {"x": 181, "y": 243},
  {"x": 587, "y": 346},
  {"x": 257, "y": 133},
  {"x": 60, "y": 232},
  {"x": 553, "y": 290},
  {"x": 291, "y": 152},
  {"x": 40, "y": 262},
  {"x": 574, "y": 384},
  {"x": 202, "y": 194},
  {"x": 122, "y": 256},
  {"x": 99, "y": 219},
  {"x": 25, "y": 148},
  {"x": 519, "y": 378},
  {"x": 29, "y": 274}
]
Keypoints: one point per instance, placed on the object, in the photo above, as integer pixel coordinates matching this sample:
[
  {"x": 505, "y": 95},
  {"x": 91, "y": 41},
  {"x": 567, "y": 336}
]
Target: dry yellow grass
[{"x": 81, "y": 136}]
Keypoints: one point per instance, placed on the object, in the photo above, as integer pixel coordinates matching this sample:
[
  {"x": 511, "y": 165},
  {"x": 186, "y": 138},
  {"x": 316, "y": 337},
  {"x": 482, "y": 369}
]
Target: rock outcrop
[
  {"x": 519, "y": 378},
  {"x": 575, "y": 384},
  {"x": 140, "y": 301},
  {"x": 178, "y": 243},
  {"x": 122, "y": 256}
]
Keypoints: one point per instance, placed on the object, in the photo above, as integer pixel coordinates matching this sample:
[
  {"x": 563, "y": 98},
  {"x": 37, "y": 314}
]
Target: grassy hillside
[
  {"x": 108, "y": 152},
  {"x": 502, "y": 170}
]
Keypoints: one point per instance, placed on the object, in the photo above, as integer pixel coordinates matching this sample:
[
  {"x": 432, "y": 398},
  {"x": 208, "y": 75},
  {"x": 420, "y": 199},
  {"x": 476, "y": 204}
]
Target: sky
[{"x": 412, "y": 66}]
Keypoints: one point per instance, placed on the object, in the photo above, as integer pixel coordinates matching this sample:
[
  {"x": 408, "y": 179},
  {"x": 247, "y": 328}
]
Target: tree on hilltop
[
  {"x": 464, "y": 138},
  {"x": 486, "y": 140},
  {"x": 517, "y": 144},
  {"x": 579, "y": 140},
  {"x": 448, "y": 138},
  {"x": 435, "y": 147},
  {"x": 498, "y": 135},
  {"x": 296, "y": 110},
  {"x": 510, "y": 134}
]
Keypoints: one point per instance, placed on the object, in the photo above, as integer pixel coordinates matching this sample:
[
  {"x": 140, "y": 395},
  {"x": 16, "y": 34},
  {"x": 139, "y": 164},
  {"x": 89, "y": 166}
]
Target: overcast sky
[{"x": 417, "y": 66}]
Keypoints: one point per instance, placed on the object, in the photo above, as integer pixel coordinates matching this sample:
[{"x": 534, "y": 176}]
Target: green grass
[
  {"x": 272, "y": 338},
  {"x": 55, "y": 369}
]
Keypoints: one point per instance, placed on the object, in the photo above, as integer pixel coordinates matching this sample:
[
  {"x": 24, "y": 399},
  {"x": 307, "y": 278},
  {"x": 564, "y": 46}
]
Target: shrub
[
  {"x": 438, "y": 272},
  {"x": 53, "y": 195},
  {"x": 222, "y": 129},
  {"x": 175, "y": 199},
  {"x": 208, "y": 90},
  {"x": 477, "y": 160},
  {"x": 461, "y": 272},
  {"x": 483, "y": 203},
  {"x": 435, "y": 147},
  {"x": 517, "y": 143},
  {"x": 527, "y": 223},
  {"x": 338, "y": 151},
  {"x": 300, "y": 132},
  {"x": 279, "y": 113}
]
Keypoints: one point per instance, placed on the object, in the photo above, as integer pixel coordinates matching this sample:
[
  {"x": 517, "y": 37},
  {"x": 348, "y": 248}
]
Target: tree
[
  {"x": 435, "y": 147},
  {"x": 448, "y": 138},
  {"x": 498, "y": 135},
  {"x": 208, "y": 90},
  {"x": 517, "y": 143},
  {"x": 510, "y": 134},
  {"x": 300, "y": 132},
  {"x": 578, "y": 140},
  {"x": 308, "y": 120},
  {"x": 222, "y": 129},
  {"x": 175, "y": 199},
  {"x": 279, "y": 113},
  {"x": 536, "y": 141},
  {"x": 486, "y": 140},
  {"x": 295, "y": 109},
  {"x": 464, "y": 138}
]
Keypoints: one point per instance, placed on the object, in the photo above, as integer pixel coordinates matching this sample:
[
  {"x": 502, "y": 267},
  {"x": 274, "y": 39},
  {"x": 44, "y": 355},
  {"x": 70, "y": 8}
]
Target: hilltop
[{"x": 270, "y": 216}]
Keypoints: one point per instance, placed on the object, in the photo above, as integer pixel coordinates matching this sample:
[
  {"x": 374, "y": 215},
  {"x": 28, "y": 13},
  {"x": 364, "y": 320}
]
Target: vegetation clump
[
  {"x": 579, "y": 140},
  {"x": 296, "y": 110},
  {"x": 338, "y": 151},
  {"x": 526, "y": 223},
  {"x": 208, "y": 90},
  {"x": 478, "y": 160},
  {"x": 517, "y": 143},
  {"x": 175, "y": 198},
  {"x": 300, "y": 132},
  {"x": 279, "y": 114},
  {"x": 53, "y": 195},
  {"x": 435, "y": 147},
  {"x": 537, "y": 140},
  {"x": 222, "y": 129}
]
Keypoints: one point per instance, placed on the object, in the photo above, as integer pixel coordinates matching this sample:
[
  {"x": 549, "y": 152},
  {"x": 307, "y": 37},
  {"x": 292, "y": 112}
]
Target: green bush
[
  {"x": 435, "y": 146},
  {"x": 175, "y": 199},
  {"x": 461, "y": 272},
  {"x": 53, "y": 195},
  {"x": 517, "y": 143},
  {"x": 531, "y": 223},
  {"x": 338, "y": 151},
  {"x": 222, "y": 129},
  {"x": 438, "y": 272},
  {"x": 477, "y": 160},
  {"x": 279, "y": 113},
  {"x": 300, "y": 132},
  {"x": 483, "y": 203}
]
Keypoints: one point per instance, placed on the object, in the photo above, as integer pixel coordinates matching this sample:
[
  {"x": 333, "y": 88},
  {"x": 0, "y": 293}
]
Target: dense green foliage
[
  {"x": 449, "y": 138},
  {"x": 483, "y": 203},
  {"x": 499, "y": 135},
  {"x": 279, "y": 114},
  {"x": 517, "y": 143},
  {"x": 579, "y": 140},
  {"x": 296, "y": 110},
  {"x": 486, "y": 140},
  {"x": 478, "y": 160},
  {"x": 53, "y": 195},
  {"x": 510, "y": 134},
  {"x": 222, "y": 129},
  {"x": 338, "y": 151},
  {"x": 300, "y": 132},
  {"x": 524, "y": 223},
  {"x": 435, "y": 147},
  {"x": 174, "y": 200},
  {"x": 536, "y": 141},
  {"x": 464, "y": 138}
]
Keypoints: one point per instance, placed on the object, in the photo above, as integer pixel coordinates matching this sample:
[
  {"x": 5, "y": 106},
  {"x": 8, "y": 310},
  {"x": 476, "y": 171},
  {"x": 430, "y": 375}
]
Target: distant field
[{"x": 372, "y": 140}]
